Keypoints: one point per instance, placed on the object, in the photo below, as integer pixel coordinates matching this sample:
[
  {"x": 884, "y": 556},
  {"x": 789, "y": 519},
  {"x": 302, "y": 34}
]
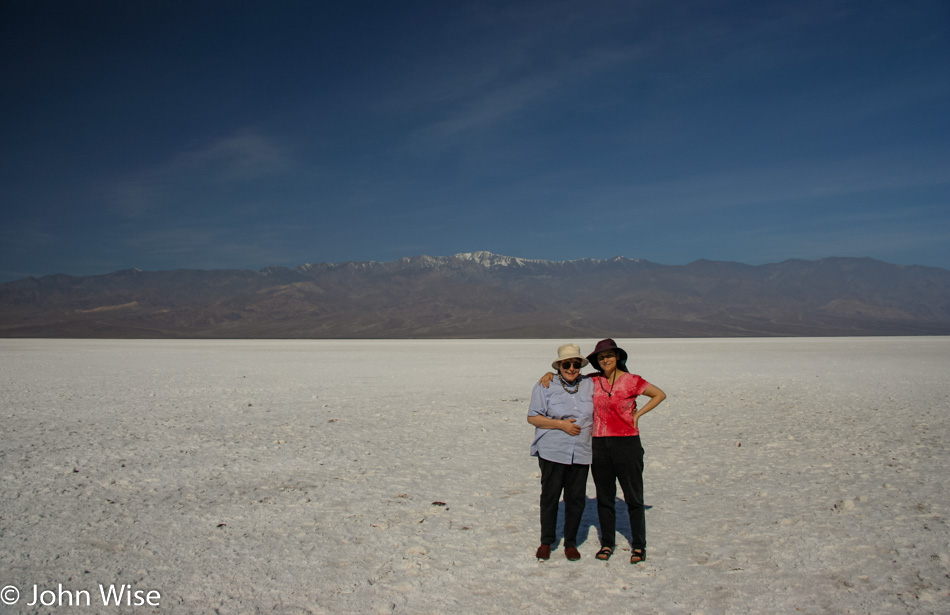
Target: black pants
[
  {"x": 572, "y": 480},
  {"x": 619, "y": 459}
]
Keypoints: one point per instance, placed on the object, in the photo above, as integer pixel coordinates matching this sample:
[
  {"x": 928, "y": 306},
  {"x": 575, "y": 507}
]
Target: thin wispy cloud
[
  {"x": 517, "y": 95},
  {"x": 240, "y": 158},
  {"x": 802, "y": 182}
]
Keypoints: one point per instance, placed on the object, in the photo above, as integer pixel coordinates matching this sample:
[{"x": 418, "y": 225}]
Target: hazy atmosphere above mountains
[{"x": 221, "y": 135}]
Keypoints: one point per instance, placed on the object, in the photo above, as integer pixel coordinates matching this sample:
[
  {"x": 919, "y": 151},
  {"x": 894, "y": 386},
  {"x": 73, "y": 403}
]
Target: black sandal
[
  {"x": 638, "y": 555},
  {"x": 604, "y": 553}
]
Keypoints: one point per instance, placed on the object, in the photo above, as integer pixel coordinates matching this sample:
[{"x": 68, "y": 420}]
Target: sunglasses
[{"x": 571, "y": 364}]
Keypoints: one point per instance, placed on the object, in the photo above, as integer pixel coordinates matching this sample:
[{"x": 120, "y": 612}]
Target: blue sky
[{"x": 173, "y": 134}]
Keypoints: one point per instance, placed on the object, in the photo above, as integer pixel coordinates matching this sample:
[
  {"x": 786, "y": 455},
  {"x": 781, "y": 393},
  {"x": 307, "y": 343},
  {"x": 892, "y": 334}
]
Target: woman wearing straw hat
[
  {"x": 617, "y": 452},
  {"x": 562, "y": 416}
]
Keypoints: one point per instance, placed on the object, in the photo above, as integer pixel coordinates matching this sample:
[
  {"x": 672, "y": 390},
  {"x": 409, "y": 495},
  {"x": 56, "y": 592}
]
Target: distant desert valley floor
[{"x": 338, "y": 476}]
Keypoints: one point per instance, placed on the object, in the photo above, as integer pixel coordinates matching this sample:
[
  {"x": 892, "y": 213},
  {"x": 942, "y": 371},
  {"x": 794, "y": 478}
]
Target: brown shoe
[
  {"x": 544, "y": 552},
  {"x": 572, "y": 554}
]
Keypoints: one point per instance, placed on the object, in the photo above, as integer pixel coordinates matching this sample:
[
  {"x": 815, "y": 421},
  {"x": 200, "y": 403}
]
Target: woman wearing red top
[{"x": 617, "y": 453}]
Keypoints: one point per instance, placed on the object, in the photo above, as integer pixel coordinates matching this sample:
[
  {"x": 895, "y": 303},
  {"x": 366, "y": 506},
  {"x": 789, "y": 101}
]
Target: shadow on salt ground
[{"x": 590, "y": 525}]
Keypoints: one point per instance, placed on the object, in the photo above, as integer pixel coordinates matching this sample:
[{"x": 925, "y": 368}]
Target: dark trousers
[
  {"x": 572, "y": 480},
  {"x": 619, "y": 459}
]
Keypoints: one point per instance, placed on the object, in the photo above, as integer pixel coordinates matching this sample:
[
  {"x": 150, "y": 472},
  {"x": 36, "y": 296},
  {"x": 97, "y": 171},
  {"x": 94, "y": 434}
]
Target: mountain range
[{"x": 485, "y": 295}]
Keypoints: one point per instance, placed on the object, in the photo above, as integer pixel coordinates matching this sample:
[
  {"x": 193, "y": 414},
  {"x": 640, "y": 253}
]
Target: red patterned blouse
[{"x": 614, "y": 405}]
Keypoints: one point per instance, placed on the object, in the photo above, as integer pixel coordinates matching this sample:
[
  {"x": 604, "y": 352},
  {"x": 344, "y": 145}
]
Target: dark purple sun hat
[{"x": 608, "y": 344}]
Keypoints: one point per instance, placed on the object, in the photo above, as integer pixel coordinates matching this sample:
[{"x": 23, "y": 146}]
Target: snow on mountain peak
[{"x": 489, "y": 259}]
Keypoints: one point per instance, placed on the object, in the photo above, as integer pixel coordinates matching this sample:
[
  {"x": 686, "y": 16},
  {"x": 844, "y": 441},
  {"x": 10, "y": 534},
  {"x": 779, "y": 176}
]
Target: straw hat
[{"x": 569, "y": 351}]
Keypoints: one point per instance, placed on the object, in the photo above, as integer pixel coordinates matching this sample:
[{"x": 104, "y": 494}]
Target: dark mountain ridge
[{"x": 487, "y": 295}]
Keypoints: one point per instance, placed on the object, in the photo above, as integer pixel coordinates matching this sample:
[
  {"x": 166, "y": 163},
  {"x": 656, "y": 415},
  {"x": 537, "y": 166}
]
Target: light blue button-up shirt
[{"x": 555, "y": 402}]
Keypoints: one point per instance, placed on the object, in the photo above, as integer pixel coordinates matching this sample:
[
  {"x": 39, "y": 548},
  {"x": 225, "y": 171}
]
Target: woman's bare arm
[
  {"x": 546, "y": 379},
  {"x": 656, "y": 396}
]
